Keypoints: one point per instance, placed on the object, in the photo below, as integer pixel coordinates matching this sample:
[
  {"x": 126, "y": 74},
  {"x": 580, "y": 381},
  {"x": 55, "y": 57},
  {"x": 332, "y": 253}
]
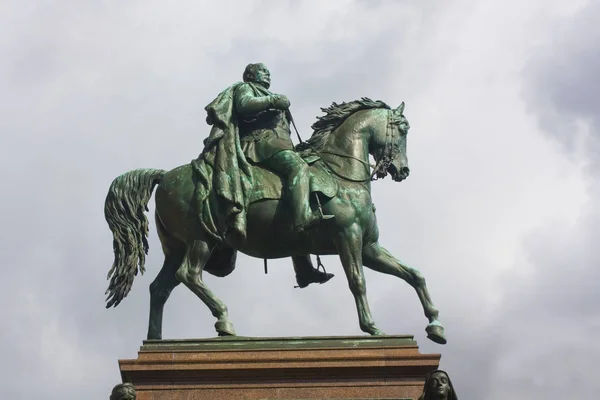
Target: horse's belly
[{"x": 269, "y": 234}]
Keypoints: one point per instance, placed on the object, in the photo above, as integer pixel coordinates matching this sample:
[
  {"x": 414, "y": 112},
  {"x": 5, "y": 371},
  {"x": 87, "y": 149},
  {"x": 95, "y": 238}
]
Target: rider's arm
[{"x": 246, "y": 103}]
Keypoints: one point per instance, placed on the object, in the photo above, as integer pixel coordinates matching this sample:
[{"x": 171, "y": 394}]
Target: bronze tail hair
[{"x": 124, "y": 208}]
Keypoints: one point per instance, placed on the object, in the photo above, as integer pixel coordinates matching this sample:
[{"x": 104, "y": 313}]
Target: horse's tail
[{"x": 124, "y": 208}]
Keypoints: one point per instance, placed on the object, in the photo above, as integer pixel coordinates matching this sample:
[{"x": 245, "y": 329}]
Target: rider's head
[{"x": 258, "y": 73}]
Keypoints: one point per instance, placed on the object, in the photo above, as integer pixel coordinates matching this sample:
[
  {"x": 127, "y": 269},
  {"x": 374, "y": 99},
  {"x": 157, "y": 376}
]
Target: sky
[{"x": 499, "y": 213}]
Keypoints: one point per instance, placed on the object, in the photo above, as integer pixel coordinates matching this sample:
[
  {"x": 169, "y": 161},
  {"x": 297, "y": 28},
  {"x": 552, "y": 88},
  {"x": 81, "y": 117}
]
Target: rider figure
[{"x": 264, "y": 126}]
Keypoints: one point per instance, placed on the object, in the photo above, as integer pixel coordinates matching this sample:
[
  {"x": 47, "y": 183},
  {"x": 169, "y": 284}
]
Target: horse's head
[
  {"x": 348, "y": 129},
  {"x": 389, "y": 146}
]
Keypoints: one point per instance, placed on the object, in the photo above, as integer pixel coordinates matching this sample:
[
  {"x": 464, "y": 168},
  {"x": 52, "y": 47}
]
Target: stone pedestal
[{"x": 388, "y": 367}]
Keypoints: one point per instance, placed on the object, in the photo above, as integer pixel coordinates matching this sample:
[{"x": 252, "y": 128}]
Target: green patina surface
[
  {"x": 253, "y": 343},
  {"x": 315, "y": 199}
]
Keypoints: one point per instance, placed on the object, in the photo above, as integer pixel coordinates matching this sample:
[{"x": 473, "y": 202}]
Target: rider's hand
[{"x": 281, "y": 102}]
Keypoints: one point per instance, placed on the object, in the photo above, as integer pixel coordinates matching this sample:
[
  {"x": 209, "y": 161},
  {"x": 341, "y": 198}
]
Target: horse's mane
[{"x": 334, "y": 116}]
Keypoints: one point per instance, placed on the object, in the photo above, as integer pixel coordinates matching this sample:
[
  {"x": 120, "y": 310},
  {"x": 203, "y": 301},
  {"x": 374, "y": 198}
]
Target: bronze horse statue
[{"x": 340, "y": 149}]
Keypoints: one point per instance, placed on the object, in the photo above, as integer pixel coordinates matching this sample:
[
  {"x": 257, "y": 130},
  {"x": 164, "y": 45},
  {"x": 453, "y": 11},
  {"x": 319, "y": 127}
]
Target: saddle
[{"x": 269, "y": 186}]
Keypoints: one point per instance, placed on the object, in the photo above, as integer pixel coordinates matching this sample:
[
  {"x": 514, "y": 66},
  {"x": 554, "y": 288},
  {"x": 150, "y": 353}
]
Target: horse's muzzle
[{"x": 401, "y": 174}]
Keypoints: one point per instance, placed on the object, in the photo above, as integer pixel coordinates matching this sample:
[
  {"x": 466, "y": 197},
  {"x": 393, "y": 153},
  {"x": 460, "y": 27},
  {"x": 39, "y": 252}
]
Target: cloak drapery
[{"x": 224, "y": 176}]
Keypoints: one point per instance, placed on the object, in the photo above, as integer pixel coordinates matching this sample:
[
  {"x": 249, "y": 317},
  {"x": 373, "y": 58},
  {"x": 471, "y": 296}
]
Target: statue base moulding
[{"x": 233, "y": 368}]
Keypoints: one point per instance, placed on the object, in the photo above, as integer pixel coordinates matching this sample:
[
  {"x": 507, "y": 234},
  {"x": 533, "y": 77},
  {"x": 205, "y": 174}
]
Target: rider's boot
[{"x": 307, "y": 274}]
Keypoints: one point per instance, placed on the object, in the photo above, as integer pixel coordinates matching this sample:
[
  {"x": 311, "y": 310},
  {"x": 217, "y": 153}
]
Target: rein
[{"x": 366, "y": 164}]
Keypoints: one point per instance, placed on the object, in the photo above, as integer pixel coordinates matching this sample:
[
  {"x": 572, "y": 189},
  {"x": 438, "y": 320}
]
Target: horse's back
[{"x": 187, "y": 211}]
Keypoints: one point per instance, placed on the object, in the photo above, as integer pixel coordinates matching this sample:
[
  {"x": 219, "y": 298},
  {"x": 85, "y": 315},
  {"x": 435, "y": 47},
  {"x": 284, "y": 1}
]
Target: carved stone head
[
  {"x": 258, "y": 74},
  {"x": 123, "y": 391},
  {"x": 438, "y": 386}
]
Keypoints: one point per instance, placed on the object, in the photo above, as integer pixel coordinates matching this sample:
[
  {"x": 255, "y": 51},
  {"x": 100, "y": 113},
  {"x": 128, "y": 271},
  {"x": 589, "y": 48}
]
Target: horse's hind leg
[
  {"x": 379, "y": 259},
  {"x": 165, "y": 282},
  {"x": 160, "y": 290},
  {"x": 190, "y": 273}
]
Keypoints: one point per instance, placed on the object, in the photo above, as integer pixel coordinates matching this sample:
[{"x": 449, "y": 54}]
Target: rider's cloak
[{"x": 224, "y": 176}]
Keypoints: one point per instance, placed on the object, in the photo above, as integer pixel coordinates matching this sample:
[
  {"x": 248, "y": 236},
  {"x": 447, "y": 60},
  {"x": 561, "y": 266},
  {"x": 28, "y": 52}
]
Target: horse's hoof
[
  {"x": 435, "y": 332},
  {"x": 225, "y": 328},
  {"x": 373, "y": 330}
]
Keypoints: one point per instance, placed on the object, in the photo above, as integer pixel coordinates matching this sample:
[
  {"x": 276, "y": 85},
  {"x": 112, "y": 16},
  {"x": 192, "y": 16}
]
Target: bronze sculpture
[
  {"x": 265, "y": 138},
  {"x": 438, "y": 386},
  {"x": 224, "y": 202},
  {"x": 262, "y": 121},
  {"x": 123, "y": 391}
]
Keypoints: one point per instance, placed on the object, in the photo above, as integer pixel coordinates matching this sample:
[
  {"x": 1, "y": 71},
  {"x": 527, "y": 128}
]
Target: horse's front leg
[
  {"x": 379, "y": 259},
  {"x": 349, "y": 245}
]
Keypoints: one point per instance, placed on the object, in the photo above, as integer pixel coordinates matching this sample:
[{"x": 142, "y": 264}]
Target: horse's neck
[{"x": 348, "y": 146}]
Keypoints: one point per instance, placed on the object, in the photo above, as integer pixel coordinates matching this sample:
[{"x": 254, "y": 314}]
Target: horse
[{"x": 342, "y": 141}]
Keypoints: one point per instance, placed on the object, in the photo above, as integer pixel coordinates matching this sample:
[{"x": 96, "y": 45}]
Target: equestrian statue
[{"x": 251, "y": 190}]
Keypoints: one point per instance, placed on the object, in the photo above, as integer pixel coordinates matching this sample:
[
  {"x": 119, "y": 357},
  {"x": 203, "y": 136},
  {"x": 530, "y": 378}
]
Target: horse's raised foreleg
[
  {"x": 190, "y": 273},
  {"x": 349, "y": 245},
  {"x": 379, "y": 259}
]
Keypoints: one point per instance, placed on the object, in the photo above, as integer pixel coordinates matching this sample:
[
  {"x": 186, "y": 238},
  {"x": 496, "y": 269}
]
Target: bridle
[{"x": 389, "y": 151}]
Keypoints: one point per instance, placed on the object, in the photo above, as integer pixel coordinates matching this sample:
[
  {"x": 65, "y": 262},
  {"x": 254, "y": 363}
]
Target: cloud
[
  {"x": 550, "y": 307},
  {"x": 561, "y": 72},
  {"x": 498, "y": 213}
]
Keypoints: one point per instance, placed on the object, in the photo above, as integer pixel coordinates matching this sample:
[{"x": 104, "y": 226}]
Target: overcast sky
[{"x": 500, "y": 212}]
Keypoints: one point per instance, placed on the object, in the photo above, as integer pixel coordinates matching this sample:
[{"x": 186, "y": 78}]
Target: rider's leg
[{"x": 294, "y": 171}]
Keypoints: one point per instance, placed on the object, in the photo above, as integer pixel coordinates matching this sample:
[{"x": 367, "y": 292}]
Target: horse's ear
[{"x": 400, "y": 108}]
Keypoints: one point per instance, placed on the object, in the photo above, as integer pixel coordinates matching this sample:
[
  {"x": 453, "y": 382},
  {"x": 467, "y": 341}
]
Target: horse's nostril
[{"x": 405, "y": 171}]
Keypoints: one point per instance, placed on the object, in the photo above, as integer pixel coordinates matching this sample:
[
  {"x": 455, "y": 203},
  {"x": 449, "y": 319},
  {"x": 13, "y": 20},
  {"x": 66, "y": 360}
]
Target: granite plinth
[{"x": 383, "y": 367}]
